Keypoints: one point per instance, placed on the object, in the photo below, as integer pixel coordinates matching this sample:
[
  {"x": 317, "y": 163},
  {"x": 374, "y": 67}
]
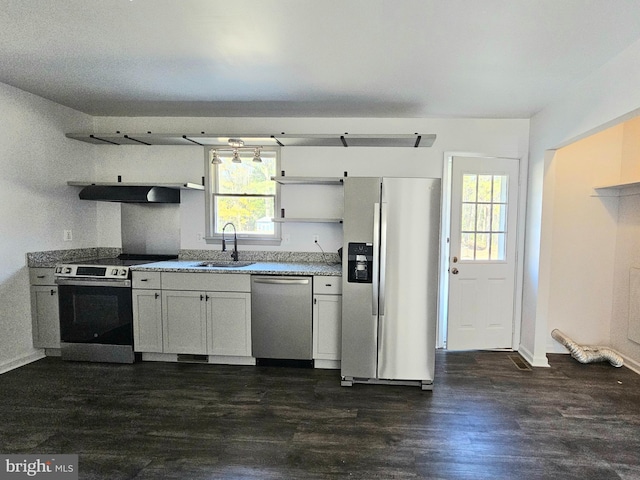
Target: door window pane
[
  {"x": 469, "y": 187},
  {"x": 485, "y": 186},
  {"x": 499, "y": 218},
  {"x": 468, "y": 217},
  {"x": 484, "y": 217}
]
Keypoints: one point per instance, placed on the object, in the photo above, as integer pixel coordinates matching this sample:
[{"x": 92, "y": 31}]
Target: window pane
[
  {"x": 469, "y": 183},
  {"x": 484, "y": 218},
  {"x": 498, "y": 246},
  {"x": 484, "y": 188},
  {"x": 499, "y": 221},
  {"x": 248, "y": 176},
  {"x": 500, "y": 189},
  {"x": 467, "y": 246},
  {"x": 468, "y": 217},
  {"x": 250, "y": 215},
  {"x": 482, "y": 246}
]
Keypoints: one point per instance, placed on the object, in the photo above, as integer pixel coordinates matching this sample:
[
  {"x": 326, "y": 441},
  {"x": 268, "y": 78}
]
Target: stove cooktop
[{"x": 117, "y": 267}]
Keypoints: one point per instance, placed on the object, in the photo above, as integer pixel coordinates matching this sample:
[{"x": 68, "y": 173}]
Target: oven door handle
[{"x": 116, "y": 283}]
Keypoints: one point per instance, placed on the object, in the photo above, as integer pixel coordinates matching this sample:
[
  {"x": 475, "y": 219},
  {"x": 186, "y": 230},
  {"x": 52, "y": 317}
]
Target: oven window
[{"x": 95, "y": 315}]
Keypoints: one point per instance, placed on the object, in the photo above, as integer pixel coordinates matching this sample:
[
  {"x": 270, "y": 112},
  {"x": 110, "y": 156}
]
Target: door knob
[{"x": 454, "y": 271}]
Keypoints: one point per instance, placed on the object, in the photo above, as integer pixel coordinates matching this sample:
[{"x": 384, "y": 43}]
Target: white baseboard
[
  {"x": 9, "y": 365},
  {"x": 534, "y": 362},
  {"x": 630, "y": 363}
]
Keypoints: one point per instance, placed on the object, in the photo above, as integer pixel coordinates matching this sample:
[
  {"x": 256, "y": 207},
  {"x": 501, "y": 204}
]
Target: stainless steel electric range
[{"x": 96, "y": 317}]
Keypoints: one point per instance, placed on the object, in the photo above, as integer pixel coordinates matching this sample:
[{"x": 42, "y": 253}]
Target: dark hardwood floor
[{"x": 485, "y": 419}]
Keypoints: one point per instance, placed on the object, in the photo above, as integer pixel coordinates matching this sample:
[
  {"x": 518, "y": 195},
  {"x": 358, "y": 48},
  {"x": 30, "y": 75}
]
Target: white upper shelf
[
  {"x": 618, "y": 190},
  {"x": 179, "y": 186},
  {"x": 307, "y": 180},
  {"x": 416, "y": 140}
]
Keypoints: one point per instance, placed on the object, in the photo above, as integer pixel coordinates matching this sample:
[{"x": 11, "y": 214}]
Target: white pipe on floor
[{"x": 587, "y": 354}]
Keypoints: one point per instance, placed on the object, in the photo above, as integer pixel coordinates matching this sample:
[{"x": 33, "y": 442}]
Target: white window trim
[{"x": 210, "y": 190}]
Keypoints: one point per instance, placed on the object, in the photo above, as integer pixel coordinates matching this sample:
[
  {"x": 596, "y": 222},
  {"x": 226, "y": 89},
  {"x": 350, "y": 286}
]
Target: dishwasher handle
[{"x": 283, "y": 281}]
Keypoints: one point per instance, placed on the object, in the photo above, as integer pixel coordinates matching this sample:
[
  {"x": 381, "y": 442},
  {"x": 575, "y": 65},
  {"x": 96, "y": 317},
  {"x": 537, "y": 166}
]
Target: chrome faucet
[{"x": 234, "y": 255}]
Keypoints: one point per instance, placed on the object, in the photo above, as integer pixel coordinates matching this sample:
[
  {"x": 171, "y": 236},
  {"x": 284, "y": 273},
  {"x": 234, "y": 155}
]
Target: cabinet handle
[
  {"x": 40, "y": 276},
  {"x": 327, "y": 285},
  {"x": 157, "y": 295},
  {"x": 315, "y": 301},
  {"x": 144, "y": 279},
  {"x": 201, "y": 297},
  {"x": 206, "y": 297},
  {"x": 53, "y": 292}
]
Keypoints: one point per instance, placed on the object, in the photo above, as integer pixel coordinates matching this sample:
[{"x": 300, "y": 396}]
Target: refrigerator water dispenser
[{"x": 360, "y": 263}]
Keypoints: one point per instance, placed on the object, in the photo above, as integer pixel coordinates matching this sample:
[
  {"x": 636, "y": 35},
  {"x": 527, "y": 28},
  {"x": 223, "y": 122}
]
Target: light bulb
[{"x": 215, "y": 159}]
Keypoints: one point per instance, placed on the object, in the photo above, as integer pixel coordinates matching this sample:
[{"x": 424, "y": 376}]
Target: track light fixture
[{"x": 237, "y": 145}]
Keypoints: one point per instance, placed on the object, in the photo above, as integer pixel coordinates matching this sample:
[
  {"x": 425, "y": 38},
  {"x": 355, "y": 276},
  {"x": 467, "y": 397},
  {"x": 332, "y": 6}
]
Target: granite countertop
[
  {"x": 257, "y": 268},
  {"x": 264, "y": 263}
]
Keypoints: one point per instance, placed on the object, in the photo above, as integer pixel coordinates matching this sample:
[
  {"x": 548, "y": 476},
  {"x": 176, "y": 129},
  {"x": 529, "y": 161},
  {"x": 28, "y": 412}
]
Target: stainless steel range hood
[
  {"x": 133, "y": 192},
  {"x": 130, "y": 194}
]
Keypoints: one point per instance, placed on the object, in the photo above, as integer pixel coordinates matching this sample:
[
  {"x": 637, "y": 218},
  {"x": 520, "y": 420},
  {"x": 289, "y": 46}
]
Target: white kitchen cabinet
[
  {"x": 206, "y": 313},
  {"x": 147, "y": 312},
  {"x": 327, "y": 321},
  {"x": 45, "y": 316},
  {"x": 147, "y": 320},
  {"x": 229, "y": 323},
  {"x": 184, "y": 322}
]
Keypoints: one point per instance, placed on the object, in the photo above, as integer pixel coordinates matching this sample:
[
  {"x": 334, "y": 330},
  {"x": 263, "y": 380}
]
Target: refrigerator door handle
[
  {"x": 383, "y": 255},
  {"x": 376, "y": 259}
]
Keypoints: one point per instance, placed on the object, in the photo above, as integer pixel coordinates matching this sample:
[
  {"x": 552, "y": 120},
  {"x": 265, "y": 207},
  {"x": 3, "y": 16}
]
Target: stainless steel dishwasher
[{"x": 281, "y": 317}]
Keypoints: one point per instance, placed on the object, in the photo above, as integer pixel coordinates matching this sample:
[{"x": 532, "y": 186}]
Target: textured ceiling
[{"x": 309, "y": 58}]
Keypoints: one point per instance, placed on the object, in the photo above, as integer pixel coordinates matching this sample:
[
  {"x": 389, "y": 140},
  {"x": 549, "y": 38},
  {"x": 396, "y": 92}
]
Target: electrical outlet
[
  {"x": 67, "y": 235},
  {"x": 316, "y": 238}
]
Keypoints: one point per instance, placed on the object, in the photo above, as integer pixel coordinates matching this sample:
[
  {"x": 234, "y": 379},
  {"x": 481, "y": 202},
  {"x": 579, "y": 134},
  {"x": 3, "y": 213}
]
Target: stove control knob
[
  {"x": 58, "y": 270},
  {"x": 67, "y": 270},
  {"x": 123, "y": 272},
  {"x": 114, "y": 271}
]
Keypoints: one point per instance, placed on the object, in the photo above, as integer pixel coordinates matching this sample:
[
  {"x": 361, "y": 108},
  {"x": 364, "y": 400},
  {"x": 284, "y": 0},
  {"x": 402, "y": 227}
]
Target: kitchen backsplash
[
  {"x": 51, "y": 257},
  {"x": 261, "y": 256}
]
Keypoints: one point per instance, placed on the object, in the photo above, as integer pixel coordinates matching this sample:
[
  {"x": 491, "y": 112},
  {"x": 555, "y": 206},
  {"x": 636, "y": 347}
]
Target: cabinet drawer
[
  {"x": 148, "y": 280},
  {"x": 216, "y": 282},
  {"x": 41, "y": 276},
  {"x": 327, "y": 285}
]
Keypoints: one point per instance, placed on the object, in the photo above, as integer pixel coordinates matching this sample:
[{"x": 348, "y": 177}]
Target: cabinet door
[
  {"x": 327, "y": 327},
  {"x": 229, "y": 323},
  {"x": 184, "y": 322},
  {"x": 147, "y": 321},
  {"x": 45, "y": 317}
]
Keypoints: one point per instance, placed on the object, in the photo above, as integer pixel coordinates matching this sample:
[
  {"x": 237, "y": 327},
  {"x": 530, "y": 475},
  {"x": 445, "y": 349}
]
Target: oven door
[{"x": 96, "y": 319}]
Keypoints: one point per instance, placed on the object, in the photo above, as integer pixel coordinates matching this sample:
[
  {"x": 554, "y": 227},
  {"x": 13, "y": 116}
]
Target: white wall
[
  {"x": 36, "y": 205},
  {"x": 601, "y": 100},
  {"x": 582, "y": 251},
  {"x": 186, "y": 163},
  {"x": 627, "y": 248}
]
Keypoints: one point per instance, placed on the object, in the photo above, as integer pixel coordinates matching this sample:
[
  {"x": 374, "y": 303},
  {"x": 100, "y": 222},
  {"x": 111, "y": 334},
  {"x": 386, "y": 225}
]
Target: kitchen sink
[{"x": 225, "y": 264}]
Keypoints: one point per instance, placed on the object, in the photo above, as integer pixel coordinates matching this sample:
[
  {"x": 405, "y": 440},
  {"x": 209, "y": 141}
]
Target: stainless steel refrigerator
[{"x": 390, "y": 280}]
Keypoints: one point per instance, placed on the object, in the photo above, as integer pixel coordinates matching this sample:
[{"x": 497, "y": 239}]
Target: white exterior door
[{"x": 482, "y": 260}]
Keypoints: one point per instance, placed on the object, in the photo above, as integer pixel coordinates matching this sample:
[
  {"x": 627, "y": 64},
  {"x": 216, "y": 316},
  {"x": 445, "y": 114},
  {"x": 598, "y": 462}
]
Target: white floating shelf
[
  {"x": 308, "y": 180},
  {"x": 180, "y": 186},
  {"x": 306, "y": 220},
  {"x": 618, "y": 190}
]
